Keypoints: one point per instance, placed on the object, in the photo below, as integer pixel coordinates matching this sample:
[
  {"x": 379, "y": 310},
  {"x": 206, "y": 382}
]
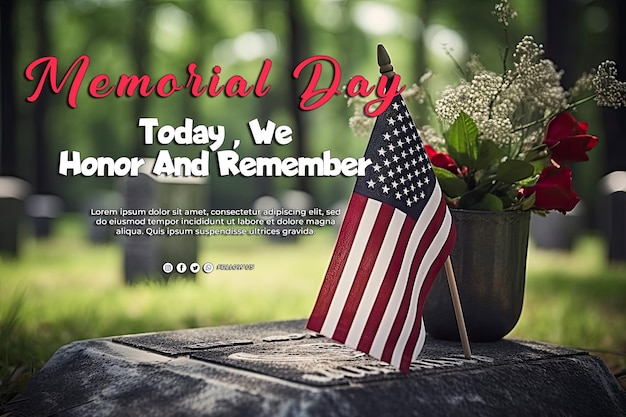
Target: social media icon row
[{"x": 194, "y": 268}]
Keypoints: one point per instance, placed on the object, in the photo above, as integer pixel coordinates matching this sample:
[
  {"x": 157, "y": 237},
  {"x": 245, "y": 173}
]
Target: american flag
[{"x": 396, "y": 235}]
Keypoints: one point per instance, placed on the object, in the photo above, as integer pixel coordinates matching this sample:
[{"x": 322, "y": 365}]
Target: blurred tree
[
  {"x": 8, "y": 99},
  {"x": 140, "y": 52},
  {"x": 615, "y": 119},
  {"x": 298, "y": 47},
  {"x": 41, "y": 151}
]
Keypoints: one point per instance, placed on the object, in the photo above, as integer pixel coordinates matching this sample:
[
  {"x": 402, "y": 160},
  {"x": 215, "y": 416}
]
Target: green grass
[{"x": 65, "y": 289}]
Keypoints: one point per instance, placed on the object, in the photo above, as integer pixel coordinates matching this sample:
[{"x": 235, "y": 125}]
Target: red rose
[
  {"x": 568, "y": 140},
  {"x": 441, "y": 160},
  {"x": 553, "y": 190}
]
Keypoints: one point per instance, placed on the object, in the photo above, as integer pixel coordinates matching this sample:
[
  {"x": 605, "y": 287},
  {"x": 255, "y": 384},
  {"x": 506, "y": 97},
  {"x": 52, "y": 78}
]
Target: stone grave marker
[
  {"x": 101, "y": 200},
  {"x": 281, "y": 369},
  {"x": 144, "y": 254},
  {"x": 613, "y": 212},
  {"x": 13, "y": 191},
  {"x": 557, "y": 230},
  {"x": 43, "y": 209}
]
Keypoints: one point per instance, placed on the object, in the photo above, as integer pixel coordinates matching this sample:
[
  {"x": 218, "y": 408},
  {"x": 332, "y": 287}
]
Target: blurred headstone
[
  {"x": 13, "y": 191},
  {"x": 297, "y": 202},
  {"x": 101, "y": 200},
  {"x": 613, "y": 212},
  {"x": 145, "y": 253},
  {"x": 267, "y": 204},
  {"x": 43, "y": 209},
  {"x": 556, "y": 230}
]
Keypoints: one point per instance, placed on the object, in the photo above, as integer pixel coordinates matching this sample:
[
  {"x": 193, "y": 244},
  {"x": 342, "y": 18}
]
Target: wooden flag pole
[
  {"x": 386, "y": 69},
  {"x": 458, "y": 311}
]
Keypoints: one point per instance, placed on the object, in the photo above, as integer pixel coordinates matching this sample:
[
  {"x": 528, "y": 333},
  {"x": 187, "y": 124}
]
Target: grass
[{"x": 65, "y": 289}]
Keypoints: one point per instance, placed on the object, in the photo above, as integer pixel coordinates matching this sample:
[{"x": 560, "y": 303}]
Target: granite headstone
[
  {"x": 145, "y": 254},
  {"x": 13, "y": 191},
  {"x": 613, "y": 212},
  {"x": 281, "y": 369}
]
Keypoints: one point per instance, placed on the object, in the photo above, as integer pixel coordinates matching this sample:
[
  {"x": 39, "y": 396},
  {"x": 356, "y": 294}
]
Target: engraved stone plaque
[{"x": 282, "y": 369}]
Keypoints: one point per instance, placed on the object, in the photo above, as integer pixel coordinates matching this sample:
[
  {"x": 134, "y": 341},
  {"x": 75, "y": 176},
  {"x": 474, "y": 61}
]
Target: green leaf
[
  {"x": 489, "y": 202},
  {"x": 463, "y": 141},
  {"x": 488, "y": 154},
  {"x": 514, "y": 170},
  {"x": 451, "y": 185},
  {"x": 529, "y": 182},
  {"x": 469, "y": 199},
  {"x": 528, "y": 202}
]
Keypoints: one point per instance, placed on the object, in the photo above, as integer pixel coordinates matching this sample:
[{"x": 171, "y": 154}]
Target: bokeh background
[{"x": 62, "y": 286}]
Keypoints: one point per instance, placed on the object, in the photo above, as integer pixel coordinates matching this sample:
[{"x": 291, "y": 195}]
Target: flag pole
[
  {"x": 386, "y": 69},
  {"x": 458, "y": 311}
]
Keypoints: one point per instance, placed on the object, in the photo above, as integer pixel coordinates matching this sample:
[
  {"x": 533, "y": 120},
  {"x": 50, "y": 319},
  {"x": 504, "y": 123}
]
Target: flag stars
[
  {"x": 395, "y": 106},
  {"x": 400, "y": 168}
]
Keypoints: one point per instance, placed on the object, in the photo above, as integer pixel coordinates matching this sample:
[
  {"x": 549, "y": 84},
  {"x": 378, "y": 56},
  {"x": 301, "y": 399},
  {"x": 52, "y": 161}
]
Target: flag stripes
[
  {"x": 383, "y": 259},
  {"x": 396, "y": 234}
]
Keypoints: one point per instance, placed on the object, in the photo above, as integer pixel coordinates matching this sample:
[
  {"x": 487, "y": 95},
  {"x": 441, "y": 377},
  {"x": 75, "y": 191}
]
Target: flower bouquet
[
  {"x": 500, "y": 146},
  {"x": 503, "y": 141}
]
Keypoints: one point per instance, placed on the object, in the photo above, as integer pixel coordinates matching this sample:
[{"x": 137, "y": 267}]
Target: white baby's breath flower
[
  {"x": 610, "y": 91},
  {"x": 504, "y": 12},
  {"x": 430, "y": 137}
]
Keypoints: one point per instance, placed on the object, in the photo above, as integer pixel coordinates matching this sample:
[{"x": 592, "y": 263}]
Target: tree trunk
[
  {"x": 43, "y": 171},
  {"x": 298, "y": 47},
  {"x": 8, "y": 102}
]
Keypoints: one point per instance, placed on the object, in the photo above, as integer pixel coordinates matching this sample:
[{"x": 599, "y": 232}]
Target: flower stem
[{"x": 549, "y": 116}]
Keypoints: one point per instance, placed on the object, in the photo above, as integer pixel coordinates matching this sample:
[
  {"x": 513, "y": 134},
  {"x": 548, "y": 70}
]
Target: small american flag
[{"x": 396, "y": 235}]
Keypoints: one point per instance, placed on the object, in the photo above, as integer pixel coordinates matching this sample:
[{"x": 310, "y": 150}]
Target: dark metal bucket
[{"x": 489, "y": 261}]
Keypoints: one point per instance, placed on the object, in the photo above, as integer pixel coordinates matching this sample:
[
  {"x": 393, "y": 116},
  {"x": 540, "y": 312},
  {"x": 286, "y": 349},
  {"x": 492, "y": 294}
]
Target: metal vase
[{"x": 489, "y": 262}]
